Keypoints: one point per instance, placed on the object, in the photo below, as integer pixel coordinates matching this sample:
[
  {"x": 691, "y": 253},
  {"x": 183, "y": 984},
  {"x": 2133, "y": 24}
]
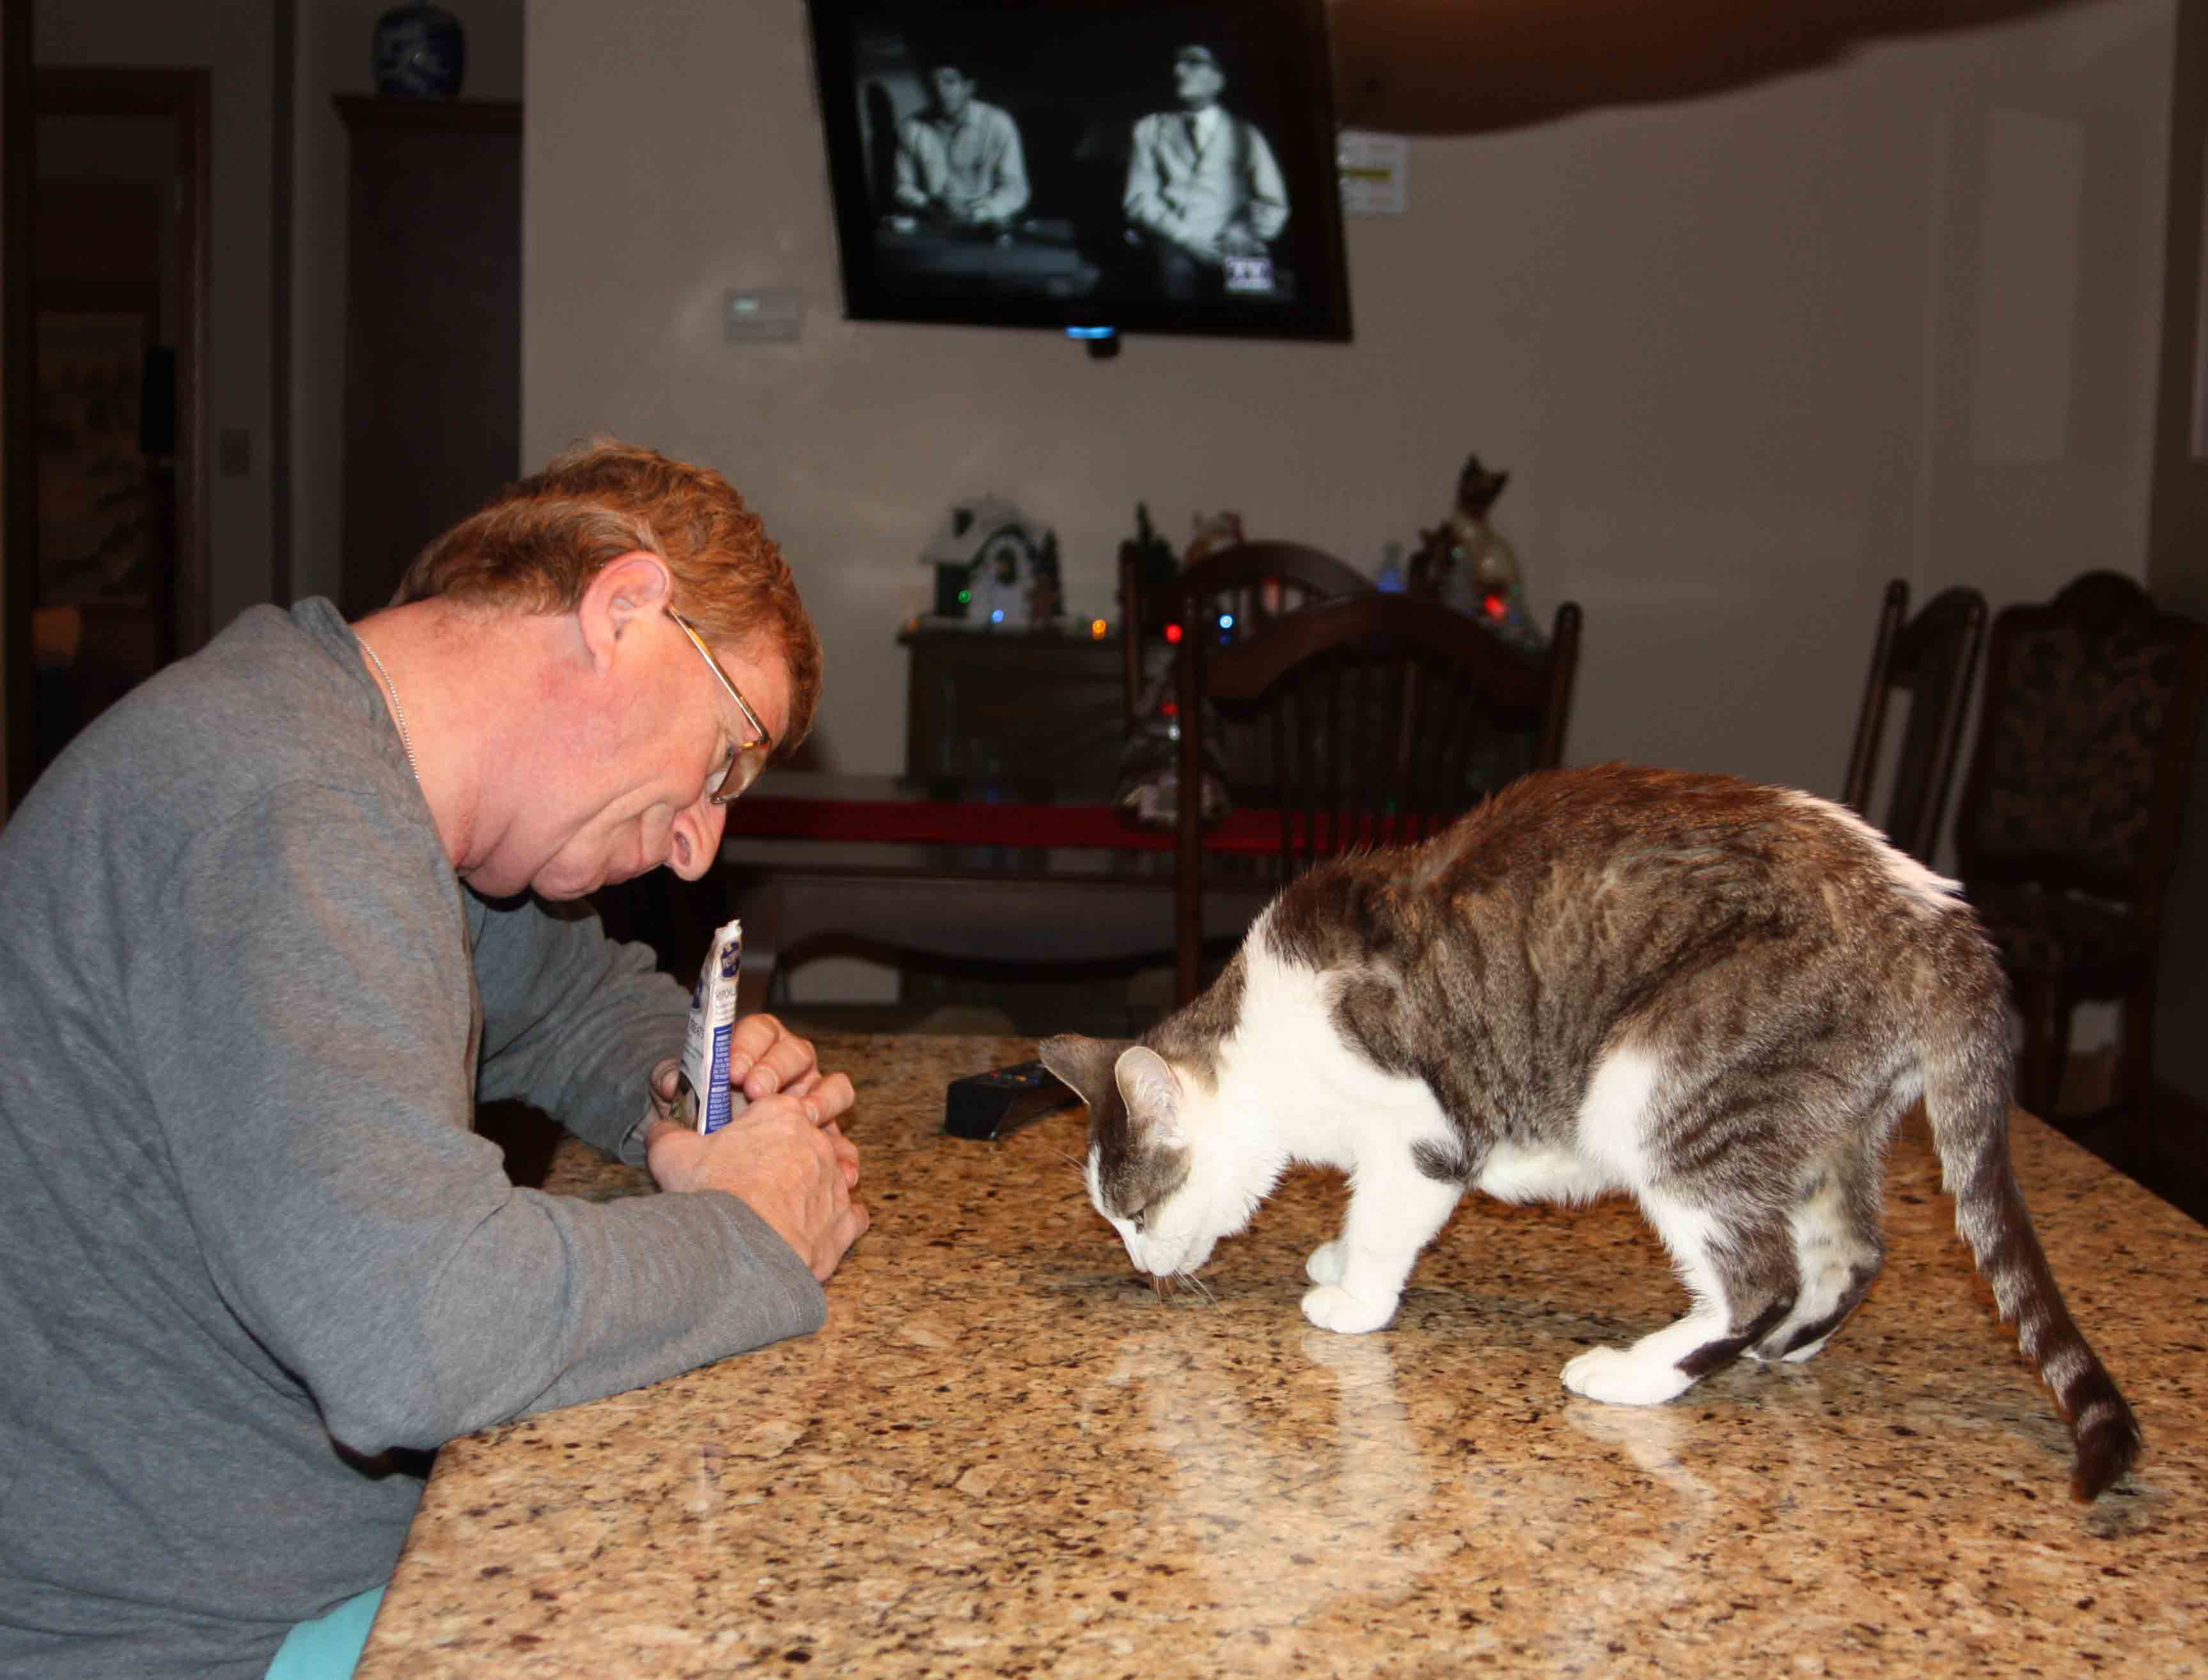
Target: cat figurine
[{"x": 1715, "y": 997}]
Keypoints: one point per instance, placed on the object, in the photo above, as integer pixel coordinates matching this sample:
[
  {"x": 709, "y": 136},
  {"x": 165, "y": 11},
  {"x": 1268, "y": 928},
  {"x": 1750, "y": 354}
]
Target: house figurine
[{"x": 995, "y": 568}]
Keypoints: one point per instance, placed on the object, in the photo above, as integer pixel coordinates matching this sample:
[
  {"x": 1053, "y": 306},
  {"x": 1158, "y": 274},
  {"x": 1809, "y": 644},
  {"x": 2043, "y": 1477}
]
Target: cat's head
[
  {"x": 1151, "y": 1169},
  {"x": 1477, "y": 488}
]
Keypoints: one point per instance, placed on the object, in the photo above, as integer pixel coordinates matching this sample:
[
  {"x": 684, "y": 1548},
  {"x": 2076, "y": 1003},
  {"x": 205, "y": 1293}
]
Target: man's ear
[{"x": 627, "y": 588}]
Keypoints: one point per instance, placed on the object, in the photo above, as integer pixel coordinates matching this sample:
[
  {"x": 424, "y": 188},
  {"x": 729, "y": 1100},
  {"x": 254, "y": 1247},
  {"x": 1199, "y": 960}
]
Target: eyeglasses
[{"x": 750, "y": 757}]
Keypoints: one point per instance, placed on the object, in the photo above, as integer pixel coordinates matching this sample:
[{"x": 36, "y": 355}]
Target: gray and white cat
[{"x": 1717, "y": 998}]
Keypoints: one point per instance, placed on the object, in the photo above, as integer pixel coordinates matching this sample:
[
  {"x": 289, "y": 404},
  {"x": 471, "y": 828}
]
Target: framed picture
[{"x": 99, "y": 543}]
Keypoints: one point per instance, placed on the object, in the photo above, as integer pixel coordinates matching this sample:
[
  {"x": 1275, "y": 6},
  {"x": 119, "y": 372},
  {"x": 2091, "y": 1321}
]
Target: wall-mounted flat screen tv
[{"x": 1086, "y": 165}]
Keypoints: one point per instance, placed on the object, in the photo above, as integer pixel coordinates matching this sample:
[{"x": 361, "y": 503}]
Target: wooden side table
[{"x": 1043, "y": 711}]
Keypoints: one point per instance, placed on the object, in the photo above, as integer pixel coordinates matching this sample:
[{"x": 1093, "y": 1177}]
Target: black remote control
[{"x": 988, "y": 1105}]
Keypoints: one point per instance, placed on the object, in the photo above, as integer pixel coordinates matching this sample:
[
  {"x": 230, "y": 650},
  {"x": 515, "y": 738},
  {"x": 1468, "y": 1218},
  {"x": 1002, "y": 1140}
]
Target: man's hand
[
  {"x": 785, "y": 1156},
  {"x": 764, "y": 1057}
]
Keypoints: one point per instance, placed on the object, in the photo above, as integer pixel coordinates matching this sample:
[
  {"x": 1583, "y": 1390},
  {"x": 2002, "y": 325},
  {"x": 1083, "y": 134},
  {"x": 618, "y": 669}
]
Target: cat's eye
[{"x": 1137, "y": 1218}]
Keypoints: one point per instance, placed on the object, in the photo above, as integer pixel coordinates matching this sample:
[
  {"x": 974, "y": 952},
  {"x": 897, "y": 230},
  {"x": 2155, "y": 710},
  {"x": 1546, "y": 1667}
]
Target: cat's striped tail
[{"x": 1968, "y": 1079}]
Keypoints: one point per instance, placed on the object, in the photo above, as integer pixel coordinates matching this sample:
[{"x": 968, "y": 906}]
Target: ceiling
[{"x": 1471, "y": 67}]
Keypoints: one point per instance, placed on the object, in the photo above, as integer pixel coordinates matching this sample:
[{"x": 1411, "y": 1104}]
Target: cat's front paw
[
  {"x": 1623, "y": 1377},
  {"x": 1327, "y": 1261},
  {"x": 1332, "y": 1307}
]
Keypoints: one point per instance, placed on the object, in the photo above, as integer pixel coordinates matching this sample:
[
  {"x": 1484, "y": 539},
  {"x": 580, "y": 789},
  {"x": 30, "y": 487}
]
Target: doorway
[{"x": 116, "y": 586}]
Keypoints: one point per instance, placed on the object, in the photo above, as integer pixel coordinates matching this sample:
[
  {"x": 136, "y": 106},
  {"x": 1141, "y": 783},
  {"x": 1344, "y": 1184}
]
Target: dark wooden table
[
  {"x": 1014, "y": 705},
  {"x": 817, "y": 862}
]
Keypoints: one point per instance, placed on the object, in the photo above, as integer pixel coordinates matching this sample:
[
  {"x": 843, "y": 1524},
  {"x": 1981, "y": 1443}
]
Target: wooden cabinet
[
  {"x": 1037, "y": 710},
  {"x": 433, "y": 325}
]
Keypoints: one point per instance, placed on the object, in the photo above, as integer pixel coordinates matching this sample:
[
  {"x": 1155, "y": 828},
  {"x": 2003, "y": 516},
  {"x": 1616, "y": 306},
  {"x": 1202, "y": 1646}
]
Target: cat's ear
[
  {"x": 1152, "y": 1091},
  {"x": 1084, "y": 1064}
]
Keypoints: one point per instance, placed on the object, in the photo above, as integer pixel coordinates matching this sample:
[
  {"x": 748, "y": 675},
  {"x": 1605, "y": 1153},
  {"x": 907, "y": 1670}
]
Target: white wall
[
  {"x": 1746, "y": 357},
  {"x": 234, "y": 40}
]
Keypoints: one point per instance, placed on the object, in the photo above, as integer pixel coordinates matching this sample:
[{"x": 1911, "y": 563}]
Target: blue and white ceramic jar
[{"x": 420, "y": 53}]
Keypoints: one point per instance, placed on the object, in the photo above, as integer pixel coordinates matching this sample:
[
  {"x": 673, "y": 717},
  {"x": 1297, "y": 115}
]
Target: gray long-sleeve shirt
[{"x": 250, "y": 1249}]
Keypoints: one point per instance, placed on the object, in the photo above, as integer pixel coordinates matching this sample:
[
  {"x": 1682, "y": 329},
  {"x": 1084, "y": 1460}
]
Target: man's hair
[{"x": 534, "y": 546}]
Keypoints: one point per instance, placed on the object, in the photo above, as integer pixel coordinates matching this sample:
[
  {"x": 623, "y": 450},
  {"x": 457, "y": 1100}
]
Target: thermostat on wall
[{"x": 754, "y": 315}]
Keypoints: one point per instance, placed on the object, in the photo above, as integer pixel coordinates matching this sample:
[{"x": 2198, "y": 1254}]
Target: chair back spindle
[
  {"x": 1251, "y": 582},
  {"x": 1934, "y": 658},
  {"x": 1387, "y": 717}
]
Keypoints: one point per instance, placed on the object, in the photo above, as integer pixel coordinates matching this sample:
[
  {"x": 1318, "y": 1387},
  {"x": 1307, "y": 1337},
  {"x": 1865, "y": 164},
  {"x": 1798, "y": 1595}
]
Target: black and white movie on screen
[{"x": 1085, "y": 163}]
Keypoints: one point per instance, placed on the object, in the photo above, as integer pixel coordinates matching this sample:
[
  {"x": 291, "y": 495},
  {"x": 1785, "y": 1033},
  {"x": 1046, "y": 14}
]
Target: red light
[
  {"x": 1172, "y": 632},
  {"x": 1494, "y": 606},
  {"x": 1170, "y": 709}
]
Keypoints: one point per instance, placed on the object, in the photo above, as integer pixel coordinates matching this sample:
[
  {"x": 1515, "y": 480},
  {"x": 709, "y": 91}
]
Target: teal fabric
[{"x": 327, "y": 1648}]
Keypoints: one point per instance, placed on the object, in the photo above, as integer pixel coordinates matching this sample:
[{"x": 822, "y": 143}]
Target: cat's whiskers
[{"x": 1168, "y": 1283}]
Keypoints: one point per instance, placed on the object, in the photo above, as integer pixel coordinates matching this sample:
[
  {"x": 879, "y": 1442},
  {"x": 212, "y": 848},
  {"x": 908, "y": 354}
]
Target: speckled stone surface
[{"x": 1005, "y": 1456}]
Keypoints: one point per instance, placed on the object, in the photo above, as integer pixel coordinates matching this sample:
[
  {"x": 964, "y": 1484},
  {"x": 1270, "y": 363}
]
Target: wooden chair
[
  {"x": 1250, "y": 582},
  {"x": 2068, "y": 829},
  {"x": 1933, "y": 658},
  {"x": 1388, "y": 716}
]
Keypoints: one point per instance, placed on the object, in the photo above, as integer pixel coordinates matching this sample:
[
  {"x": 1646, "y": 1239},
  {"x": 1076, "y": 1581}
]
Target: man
[
  {"x": 275, "y": 923},
  {"x": 958, "y": 161},
  {"x": 1202, "y": 184}
]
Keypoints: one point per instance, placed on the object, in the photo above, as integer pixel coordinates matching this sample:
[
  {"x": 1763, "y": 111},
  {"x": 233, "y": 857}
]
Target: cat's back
[
  {"x": 1616, "y": 866},
  {"x": 1614, "y": 831}
]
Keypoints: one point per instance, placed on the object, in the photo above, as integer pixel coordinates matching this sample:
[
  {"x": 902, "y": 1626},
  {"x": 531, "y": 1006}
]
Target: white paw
[
  {"x": 1332, "y": 1307},
  {"x": 1623, "y": 1378},
  {"x": 1326, "y": 1263}
]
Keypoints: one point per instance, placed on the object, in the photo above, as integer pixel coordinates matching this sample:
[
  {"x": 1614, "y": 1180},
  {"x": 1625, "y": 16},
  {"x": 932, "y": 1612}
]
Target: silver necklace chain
[{"x": 397, "y": 711}]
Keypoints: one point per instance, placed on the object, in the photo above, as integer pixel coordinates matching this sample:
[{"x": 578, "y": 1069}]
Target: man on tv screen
[
  {"x": 958, "y": 160},
  {"x": 1204, "y": 189}
]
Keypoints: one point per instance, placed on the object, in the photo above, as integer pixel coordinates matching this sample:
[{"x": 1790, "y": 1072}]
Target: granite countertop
[{"x": 1004, "y": 1455}]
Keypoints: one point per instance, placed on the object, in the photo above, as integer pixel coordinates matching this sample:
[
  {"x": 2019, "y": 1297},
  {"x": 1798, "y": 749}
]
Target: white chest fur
[{"x": 1322, "y": 1101}]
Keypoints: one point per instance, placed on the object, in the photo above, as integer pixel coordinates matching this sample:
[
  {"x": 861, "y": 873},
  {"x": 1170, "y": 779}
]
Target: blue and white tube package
[{"x": 712, "y": 1021}]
